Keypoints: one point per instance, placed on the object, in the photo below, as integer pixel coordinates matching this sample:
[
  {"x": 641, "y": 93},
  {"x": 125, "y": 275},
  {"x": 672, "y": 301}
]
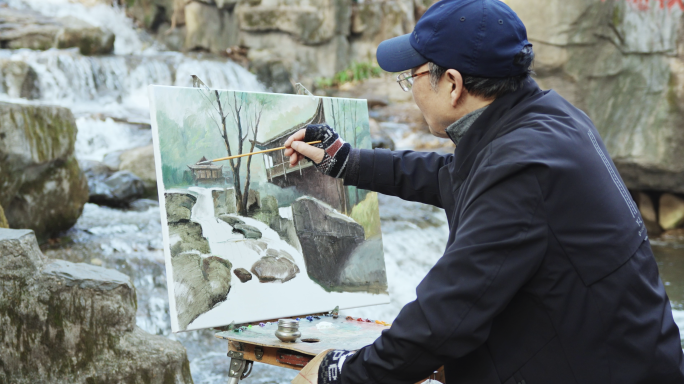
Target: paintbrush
[{"x": 249, "y": 154}]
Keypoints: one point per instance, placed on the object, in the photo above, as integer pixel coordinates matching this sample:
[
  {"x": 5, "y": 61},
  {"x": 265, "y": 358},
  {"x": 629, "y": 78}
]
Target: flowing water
[{"x": 108, "y": 97}]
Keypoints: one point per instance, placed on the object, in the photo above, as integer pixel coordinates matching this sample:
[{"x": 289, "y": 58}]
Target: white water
[{"x": 275, "y": 298}]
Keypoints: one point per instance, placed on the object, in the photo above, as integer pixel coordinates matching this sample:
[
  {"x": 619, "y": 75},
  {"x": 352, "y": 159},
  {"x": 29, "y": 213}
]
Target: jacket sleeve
[
  {"x": 499, "y": 244},
  {"x": 406, "y": 174}
]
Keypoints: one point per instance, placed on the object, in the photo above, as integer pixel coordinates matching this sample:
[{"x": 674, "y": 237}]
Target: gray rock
[
  {"x": 140, "y": 162},
  {"x": 247, "y": 230},
  {"x": 118, "y": 189},
  {"x": 27, "y": 29},
  {"x": 271, "y": 269},
  {"x": 200, "y": 284},
  {"x": 86, "y": 275},
  {"x": 242, "y": 274},
  {"x": 19, "y": 80},
  {"x": 113, "y": 160},
  {"x": 42, "y": 185},
  {"x": 209, "y": 28},
  {"x": 231, "y": 220},
  {"x": 89, "y": 39},
  {"x": 273, "y": 73},
  {"x": 77, "y": 323},
  {"x": 178, "y": 206},
  {"x": 328, "y": 238},
  {"x": 224, "y": 201}
]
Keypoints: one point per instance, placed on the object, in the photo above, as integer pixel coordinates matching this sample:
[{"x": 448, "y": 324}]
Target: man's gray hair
[{"x": 489, "y": 87}]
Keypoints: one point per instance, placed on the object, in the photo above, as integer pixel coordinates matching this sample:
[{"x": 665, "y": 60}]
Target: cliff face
[
  {"x": 63, "y": 322},
  {"x": 286, "y": 39},
  {"x": 622, "y": 63}
]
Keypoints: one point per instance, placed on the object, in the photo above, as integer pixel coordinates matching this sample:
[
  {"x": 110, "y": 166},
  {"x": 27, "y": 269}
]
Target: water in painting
[{"x": 252, "y": 238}]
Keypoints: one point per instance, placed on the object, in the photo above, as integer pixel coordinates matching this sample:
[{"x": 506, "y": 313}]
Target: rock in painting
[
  {"x": 64, "y": 322},
  {"x": 242, "y": 274},
  {"x": 179, "y": 206},
  {"x": 327, "y": 237},
  {"x": 247, "y": 230},
  {"x": 200, "y": 284},
  {"x": 275, "y": 268},
  {"x": 224, "y": 201},
  {"x": 365, "y": 269},
  {"x": 231, "y": 220}
]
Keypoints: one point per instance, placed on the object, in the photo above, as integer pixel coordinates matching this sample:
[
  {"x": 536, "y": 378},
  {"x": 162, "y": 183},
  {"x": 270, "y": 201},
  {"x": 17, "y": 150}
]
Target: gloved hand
[{"x": 331, "y": 160}]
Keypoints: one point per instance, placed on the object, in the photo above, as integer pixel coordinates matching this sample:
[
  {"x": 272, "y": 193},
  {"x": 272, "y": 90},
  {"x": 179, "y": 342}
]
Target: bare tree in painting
[{"x": 245, "y": 120}]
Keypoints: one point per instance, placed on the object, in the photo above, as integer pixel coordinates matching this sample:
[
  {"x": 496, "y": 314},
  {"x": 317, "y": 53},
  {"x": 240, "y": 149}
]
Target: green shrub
[{"x": 357, "y": 71}]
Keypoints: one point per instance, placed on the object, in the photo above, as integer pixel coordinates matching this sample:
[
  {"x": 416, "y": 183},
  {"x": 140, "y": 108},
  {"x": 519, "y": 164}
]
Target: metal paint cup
[{"x": 288, "y": 330}]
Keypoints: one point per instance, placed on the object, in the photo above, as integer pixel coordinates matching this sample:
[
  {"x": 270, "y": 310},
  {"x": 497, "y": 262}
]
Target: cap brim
[{"x": 397, "y": 55}]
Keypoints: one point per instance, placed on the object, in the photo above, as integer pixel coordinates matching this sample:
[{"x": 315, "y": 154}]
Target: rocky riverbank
[{"x": 64, "y": 322}]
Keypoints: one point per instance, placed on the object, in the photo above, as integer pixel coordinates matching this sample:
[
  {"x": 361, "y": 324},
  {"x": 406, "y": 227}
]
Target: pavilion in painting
[{"x": 207, "y": 174}]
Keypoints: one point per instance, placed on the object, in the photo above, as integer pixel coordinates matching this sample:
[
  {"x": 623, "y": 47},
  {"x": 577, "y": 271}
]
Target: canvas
[{"x": 252, "y": 238}]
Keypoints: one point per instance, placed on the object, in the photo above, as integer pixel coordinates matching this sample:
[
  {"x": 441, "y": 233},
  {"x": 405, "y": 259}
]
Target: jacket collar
[
  {"x": 490, "y": 125},
  {"x": 457, "y": 129}
]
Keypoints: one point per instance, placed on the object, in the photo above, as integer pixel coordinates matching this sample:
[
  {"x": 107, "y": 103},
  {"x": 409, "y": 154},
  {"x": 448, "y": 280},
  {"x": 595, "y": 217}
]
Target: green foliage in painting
[{"x": 366, "y": 214}]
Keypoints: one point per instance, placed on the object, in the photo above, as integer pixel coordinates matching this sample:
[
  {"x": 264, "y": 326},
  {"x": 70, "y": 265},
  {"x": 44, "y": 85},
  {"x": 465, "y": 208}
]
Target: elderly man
[{"x": 548, "y": 276}]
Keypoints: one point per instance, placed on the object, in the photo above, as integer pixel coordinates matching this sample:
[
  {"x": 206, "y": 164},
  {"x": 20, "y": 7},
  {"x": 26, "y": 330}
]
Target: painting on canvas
[{"x": 252, "y": 238}]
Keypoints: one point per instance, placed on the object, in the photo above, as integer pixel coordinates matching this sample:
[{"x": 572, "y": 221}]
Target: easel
[{"x": 259, "y": 344}]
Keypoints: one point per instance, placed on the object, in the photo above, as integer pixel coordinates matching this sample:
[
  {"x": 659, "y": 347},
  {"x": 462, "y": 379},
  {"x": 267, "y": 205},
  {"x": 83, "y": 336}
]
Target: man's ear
[{"x": 455, "y": 83}]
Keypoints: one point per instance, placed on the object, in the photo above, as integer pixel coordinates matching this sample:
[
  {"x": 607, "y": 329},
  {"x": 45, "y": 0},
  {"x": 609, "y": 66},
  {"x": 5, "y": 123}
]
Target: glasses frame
[{"x": 405, "y": 79}]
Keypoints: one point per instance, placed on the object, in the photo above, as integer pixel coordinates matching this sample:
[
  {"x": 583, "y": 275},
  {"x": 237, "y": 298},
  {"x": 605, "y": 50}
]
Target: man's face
[{"x": 435, "y": 105}]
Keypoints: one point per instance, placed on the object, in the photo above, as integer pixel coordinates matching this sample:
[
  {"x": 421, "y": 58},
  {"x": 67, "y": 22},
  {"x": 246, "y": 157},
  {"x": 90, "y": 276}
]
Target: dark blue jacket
[{"x": 548, "y": 275}]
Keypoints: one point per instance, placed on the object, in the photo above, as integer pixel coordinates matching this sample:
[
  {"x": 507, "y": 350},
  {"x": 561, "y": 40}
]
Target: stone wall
[
  {"x": 63, "y": 322},
  {"x": 297, "y": 40}
]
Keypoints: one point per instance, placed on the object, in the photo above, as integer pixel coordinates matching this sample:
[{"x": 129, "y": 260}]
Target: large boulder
[
  {"x": 621, "y": 62},
  {"x": 327, "y": 237},
  {"x": 62, "y": 322},
  {"x": 210, "y": 28},
  {"x": 140, "y": 162},
  {"x": 18, "y": 80},
  {"x": 23, "y": 28},
  {"x": 200, "y": 283},
  {"x": 42, "y": 185}
]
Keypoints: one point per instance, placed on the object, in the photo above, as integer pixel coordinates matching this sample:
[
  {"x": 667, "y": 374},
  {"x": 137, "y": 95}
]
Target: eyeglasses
[{"x": 405, "y": 79}]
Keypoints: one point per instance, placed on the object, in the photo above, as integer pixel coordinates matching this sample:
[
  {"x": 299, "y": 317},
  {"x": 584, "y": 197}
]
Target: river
[{"x": 108, "y": 97}]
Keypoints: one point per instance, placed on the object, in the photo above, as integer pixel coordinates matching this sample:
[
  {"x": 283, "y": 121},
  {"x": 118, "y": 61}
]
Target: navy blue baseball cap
[{"x": 476, "y": 37}]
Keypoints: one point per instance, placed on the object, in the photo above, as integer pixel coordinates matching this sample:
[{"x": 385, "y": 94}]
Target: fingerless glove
[{"x": 336, "y": 150}]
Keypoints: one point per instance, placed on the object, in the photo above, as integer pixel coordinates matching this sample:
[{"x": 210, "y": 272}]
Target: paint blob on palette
[{"x": 252, "y": 238}]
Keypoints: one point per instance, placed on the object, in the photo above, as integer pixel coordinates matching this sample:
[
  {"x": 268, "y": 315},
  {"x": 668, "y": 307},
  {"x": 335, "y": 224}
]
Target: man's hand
[
  {"x": 297, "y": 149},
  {"x": 330, "y": 155}
]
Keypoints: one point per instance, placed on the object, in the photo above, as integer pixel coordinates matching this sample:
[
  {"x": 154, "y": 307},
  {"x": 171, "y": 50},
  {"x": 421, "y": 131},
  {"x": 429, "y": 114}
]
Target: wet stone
[
  {"x": 271, "y": 269},
  {"x": 242, "y": 274}
]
